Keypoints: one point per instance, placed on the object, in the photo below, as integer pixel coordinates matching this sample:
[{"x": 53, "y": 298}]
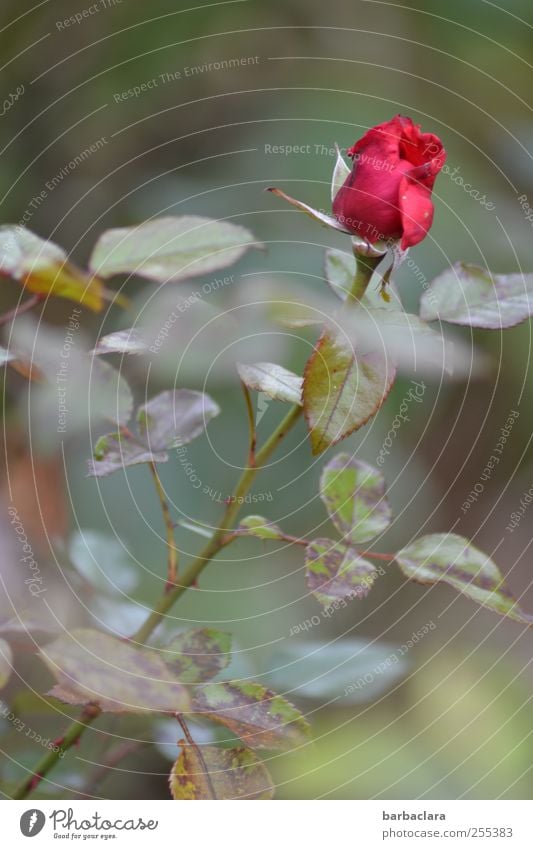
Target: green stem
[
  {"x": 365, "y": 267},
  {"x": 251, "y": 424},
  {"x": 72, "y": 735},
  {"x": 215, "y": 544},
  {"x": 378, "y": 555},
  {"x": 172, "y": 569}
]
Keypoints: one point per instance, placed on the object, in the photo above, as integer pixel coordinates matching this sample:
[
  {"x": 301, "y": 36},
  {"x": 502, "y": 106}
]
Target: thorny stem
[
  {"x": 70, "y": 738},
  {"x": 251, "y": 424},
  {"x": 189, "y": 577},
  {"x": 172, "y": 570}
]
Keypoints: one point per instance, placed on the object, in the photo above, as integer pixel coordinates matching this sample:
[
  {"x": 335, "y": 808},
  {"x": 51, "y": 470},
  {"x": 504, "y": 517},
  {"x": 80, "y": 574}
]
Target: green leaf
[
  {"x": 339, "y": 271},
  {"x": 172, "y": 418},
  {"x": 116, "y": 451},
  {"x": 340, "y": 173},
  {"x": 473, "y": 296},
  {"x": 410, "y": 343},
  {"x": 354, "y": 495},
  {"x": 275, "y": 381},
  {"x": 23, "y": 252},
  {"x": 173, "y": 248},
  {"x": 261, "y": 718},
  {"x": 454, "y": 560},
  {"x": 315, "y": 214},
  {"x": 297, "y": 314},
  {"x": 350, "y": 671},
  {"x": 43, "y": 267},
  {"x": 122, "y": 342},
  {"x": 257, "y": 526},
  {"x": 208, "y": 772},
  {"x": 198, "y": 655},
  {"x": 335, "y": 571},
  {"x": 110, "y": 395},
  {"x": 342, "y": 390},
  {"x": 385, "y": 326},
  {"x": 90, "y": 666},
  {"x": 104, "y": 561},
  {"x": 6, "y": 663}
]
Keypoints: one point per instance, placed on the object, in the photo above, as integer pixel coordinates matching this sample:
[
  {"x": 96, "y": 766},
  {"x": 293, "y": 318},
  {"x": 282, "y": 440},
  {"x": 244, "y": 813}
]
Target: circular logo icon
[{"x": 32, "y": 822}]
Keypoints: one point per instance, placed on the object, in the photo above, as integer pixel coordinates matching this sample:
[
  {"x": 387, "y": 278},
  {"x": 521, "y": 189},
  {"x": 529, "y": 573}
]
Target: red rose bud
[{"x": 388, "y": 192}]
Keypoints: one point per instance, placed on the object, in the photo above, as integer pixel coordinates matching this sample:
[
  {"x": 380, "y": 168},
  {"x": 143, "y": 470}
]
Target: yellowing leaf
[
  {"x": 261, "y": 718},
  {"x": 65, "y": 281},
  {"x": 208, "y": 772},
  {"x": 43, "y": 267},
  {"x": 342, "y": 390}
]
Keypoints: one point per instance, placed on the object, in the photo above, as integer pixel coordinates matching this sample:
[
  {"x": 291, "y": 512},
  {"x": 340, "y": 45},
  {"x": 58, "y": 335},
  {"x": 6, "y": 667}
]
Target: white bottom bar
[{"x": 232, "y": 825}]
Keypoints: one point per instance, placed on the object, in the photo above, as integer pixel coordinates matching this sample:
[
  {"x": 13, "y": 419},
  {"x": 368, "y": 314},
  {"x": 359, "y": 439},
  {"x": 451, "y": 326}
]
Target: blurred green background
[{"x": 456, "y": 722}]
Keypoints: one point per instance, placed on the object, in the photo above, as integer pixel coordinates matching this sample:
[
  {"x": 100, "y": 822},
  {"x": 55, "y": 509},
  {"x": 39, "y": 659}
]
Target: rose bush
[{"x": 364, "y": 338}]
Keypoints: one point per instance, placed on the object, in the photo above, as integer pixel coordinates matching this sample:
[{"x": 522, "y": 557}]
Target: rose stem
[
  {"x": 172, "y": 569},
  {"x": 365, "y": 267}
]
